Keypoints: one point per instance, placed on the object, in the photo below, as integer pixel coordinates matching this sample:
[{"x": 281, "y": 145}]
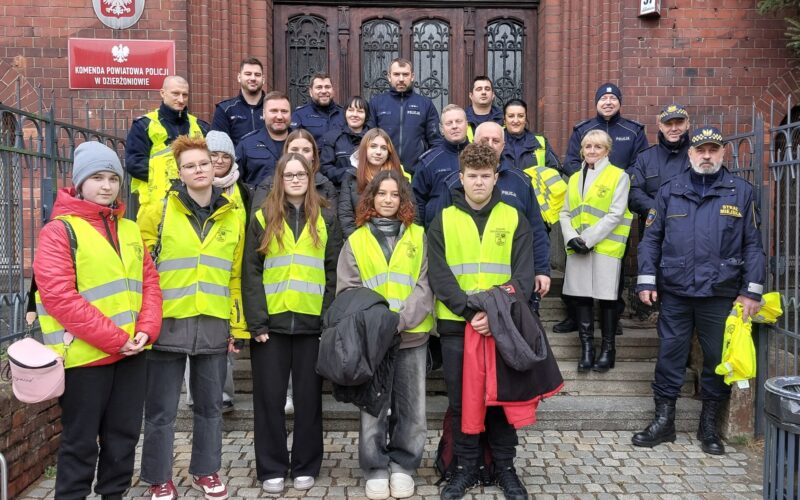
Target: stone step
[
  {"x": 624, "y": 413},
  {"x": 634, "y": 345}
]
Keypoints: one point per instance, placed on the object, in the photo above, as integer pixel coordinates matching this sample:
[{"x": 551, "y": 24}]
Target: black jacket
[
  {"x": 259, "y": 321},
  {"x": 653, "y": 167},
  {"x": 443, "y": 281},
  {"x": 348, "y": 202},
  {"x": 357, "y": 348},
  {"x": 325, "y": 188},
  {"x": 335, "y": 150},
  {"x": 237, "y": 118}
]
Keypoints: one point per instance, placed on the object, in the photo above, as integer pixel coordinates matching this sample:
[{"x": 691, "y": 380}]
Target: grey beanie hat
[
  {"x": 92, "y": 157},
  {"x": 220, "y": 141}
]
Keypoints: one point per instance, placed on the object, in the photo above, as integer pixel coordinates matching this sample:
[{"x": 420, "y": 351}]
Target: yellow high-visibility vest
[
  {"x": 396, "y": 279},
  {"x": 550, "y": 190},
  {"x": 109, "y": 281},
  {"x": 477, "y": 263},
  {"x": 586, "y": 211},
  {"x": 162, "y": 168},
  {"x": 294, "y": 277},
  {"x": 195, "y": 273}
]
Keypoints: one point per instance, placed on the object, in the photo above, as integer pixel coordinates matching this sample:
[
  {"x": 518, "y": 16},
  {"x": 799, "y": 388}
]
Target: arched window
[
  {"x": 504, "y": 58},
  {"x": 432, "y": 60},
  {"x": 307, "y": 41},
  {"x": 380, "y": 43}
]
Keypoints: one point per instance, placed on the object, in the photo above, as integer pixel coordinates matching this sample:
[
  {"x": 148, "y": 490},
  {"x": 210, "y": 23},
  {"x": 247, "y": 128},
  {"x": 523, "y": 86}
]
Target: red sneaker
[
  {"x": 211, "y": 486},
  {"x": 164, "y": 491}
]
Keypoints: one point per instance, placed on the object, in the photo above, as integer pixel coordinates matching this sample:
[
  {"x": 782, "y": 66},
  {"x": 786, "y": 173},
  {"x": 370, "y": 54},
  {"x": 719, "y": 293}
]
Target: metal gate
[{"x": 35, "y": 161}]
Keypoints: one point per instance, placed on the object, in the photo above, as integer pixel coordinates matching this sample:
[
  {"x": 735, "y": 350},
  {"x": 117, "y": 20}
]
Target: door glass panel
[
  {"x": 432, "y": 60},
  {"x": 380, "y": 43},
  {"x": 504, "y": 42},
  {"x": 308, "y": 54}
]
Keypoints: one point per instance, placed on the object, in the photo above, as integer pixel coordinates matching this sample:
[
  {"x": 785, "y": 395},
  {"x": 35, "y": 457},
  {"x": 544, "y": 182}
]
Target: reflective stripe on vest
[
  {"x": 477, "y": 263},
  {"x": 585, "y": 212},
  {"x": 396, "y": 279},
  {"x": 109, "y": 281},
  {"x": 162, "y": 167},
  {"x": 294, "y": 276},
  {"x": 540, "y": 152},
  {"x": 195, "y": 275},
  {"x": 550, "y": 190}
]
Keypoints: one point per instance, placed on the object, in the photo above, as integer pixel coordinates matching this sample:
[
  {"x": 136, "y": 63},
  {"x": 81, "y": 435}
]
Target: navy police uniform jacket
[
  {"x": 257, "y": 156},
  {"x": 138, "y": 143},
  {"x": 318, "y": 120},
  {"x": 520, "y": 152},
  {"x": 428, "y": 182},
  {"x": 653, "y": 167},
  {"x": 703, "y": 245},
  {"x": 515, "y": 189},
  {"x": 627, "y": 136},
  {"x": 495, "y": 115},
  {"x": 335, "y": 150},
  {"x": 237, "y": 118},
  {"x": 410, "y": 119}
]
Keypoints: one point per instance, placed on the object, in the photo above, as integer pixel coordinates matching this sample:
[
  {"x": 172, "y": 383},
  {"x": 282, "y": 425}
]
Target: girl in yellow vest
[
  {"x": 199, "y": 240},
  {"x": 375, "y": 153},
  {"x": 595, "y": 222},
  {"x": 99, "y": 305},
  {"x": 289, "y": 278},
  {"x": 388, "y": 253}
]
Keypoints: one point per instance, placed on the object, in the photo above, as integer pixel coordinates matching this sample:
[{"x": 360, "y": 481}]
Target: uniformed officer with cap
[
  {"x": 660, "y": 162},
  {"x": 701, "y": 252}
]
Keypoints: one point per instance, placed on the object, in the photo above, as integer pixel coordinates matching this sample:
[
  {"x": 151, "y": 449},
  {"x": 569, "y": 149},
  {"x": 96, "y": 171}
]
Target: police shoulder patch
[{"x": 651, "y": 217}]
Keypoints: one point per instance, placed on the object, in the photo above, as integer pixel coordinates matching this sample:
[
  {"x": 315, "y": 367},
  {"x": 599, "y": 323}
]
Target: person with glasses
[
  {"x": 289, "y": 279},
  {"x": 197, "y": 239}
]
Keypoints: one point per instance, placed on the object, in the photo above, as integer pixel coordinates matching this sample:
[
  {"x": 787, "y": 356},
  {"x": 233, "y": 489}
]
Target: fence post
[{"x": 49, "y": 177}]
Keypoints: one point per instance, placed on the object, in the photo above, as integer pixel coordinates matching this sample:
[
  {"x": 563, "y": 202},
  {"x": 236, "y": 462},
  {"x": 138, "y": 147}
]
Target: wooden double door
[{"x": 448, "y": 46}]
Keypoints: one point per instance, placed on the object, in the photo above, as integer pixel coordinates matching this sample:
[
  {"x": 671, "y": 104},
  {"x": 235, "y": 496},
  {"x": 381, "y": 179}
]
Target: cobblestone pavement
[{"x": 552, "y": 464}]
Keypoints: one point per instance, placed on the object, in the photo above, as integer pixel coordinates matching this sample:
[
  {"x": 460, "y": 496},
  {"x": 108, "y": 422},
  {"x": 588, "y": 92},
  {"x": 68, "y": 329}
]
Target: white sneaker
[
  {"x": 289, "y": 408},
  {"x": 274, "y": 485},
  {"x": 377, "y": 489},
  {"x": 303, "y": 482},
  {"x": 401, "y": 484}
]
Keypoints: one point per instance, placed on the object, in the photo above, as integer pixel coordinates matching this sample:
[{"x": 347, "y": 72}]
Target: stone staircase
[{"x": 619, "y": 400}]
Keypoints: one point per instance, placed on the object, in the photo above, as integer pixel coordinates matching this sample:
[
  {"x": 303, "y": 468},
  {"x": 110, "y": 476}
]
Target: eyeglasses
[
  {"x": 301, "y": 176},
  {"x": 202, "y": 166},
  {"x": 221, "y": 157}
]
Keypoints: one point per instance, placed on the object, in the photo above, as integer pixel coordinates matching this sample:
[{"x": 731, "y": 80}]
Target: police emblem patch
[{"x": 651, "y": 216}]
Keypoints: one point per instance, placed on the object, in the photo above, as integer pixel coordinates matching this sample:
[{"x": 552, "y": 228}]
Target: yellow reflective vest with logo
[
  {"x": 294, "y": 276},
  {"x": 549, "y": 187},
  {"x": 162, "y": 168},
  {"x": 478, "y": 263},
  {"x": 200, "y": 274},
  {"x": 109, "y": 281},
  {"x": 396, "y": 279},
  {"x": 586, "y": 211}
]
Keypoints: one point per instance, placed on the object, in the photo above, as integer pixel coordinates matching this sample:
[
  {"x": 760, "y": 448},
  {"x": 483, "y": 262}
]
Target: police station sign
[{"x": 120, "y": 64}]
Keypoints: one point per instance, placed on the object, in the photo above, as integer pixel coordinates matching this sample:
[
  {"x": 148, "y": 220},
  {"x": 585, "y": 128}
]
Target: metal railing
[{"x": 35, "y": 161}]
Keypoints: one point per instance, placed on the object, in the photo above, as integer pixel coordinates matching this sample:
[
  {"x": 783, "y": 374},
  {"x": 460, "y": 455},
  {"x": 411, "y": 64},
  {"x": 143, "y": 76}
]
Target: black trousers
[
  {"x": 272, "y": 361},
  {"x": 101, "y": 405},
  {"x": 501, "y": 435}
]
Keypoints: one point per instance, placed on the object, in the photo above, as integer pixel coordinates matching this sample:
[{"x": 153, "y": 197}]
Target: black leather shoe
[
  {"x": 710, "y": 442},
  {"x": 565, "y": 326},
  {"x": 661, "y": 429},
  {"x": 463, "y": 479},
  {"x": 508, "y": 481}
]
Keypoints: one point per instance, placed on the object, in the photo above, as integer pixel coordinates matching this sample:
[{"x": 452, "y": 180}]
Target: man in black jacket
[{"x": 476, "y": 243}]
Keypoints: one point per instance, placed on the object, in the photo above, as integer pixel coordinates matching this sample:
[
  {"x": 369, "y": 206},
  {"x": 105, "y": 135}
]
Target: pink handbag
[{"x": 37, "y": 372}]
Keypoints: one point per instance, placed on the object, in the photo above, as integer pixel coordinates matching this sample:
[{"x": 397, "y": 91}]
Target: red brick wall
[{"x": 714, "y": 57}]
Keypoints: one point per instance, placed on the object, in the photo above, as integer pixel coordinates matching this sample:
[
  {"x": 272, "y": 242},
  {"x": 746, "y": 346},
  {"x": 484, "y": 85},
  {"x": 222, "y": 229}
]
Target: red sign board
[{"x": 120, "y": 64}]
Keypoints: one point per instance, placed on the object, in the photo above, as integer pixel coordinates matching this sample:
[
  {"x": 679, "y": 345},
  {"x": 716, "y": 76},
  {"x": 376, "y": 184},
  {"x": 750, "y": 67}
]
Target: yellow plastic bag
[
  {"x": 738, "y": 351},
  {"x": 770, "y": 310}
]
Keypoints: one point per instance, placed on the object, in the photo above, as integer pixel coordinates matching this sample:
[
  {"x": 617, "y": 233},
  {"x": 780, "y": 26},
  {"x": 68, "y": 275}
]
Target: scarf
[{"x": 227, "y": 181}]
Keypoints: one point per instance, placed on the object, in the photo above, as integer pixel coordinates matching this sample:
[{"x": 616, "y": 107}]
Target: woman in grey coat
[{"x": 595, "y": 222}]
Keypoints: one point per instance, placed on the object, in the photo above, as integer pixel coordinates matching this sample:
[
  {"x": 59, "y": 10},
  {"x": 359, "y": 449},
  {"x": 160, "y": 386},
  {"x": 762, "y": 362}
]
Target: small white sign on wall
[{"x": 649, "y": 8}]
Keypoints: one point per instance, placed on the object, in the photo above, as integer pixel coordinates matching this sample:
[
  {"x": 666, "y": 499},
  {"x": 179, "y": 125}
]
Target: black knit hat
[{"x": 607, "y": 88}]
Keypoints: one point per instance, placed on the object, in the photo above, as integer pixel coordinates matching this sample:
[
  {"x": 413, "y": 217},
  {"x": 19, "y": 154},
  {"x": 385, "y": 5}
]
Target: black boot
[
  {"x": 586, "y": 334},
  {"x": 608, "y": 350},
  {"x": 710, "y": 441},
  {"x": 464, "y": 478},
  {"x": 508, "y": 481},
  {"x": 661, "y": 429},
  {"x": 565, "y": 326}
]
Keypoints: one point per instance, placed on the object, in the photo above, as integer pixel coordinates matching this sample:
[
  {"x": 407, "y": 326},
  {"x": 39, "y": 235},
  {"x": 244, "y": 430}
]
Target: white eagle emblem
[
  {"x": 117, "y": 7},
  {"x": 120, "y": 53}
]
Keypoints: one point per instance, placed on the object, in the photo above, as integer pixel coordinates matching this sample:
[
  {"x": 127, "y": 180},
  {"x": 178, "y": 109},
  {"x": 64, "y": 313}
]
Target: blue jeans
[
  {"x": 164, "y": 380},
  {"x": 406, "y": 425}
]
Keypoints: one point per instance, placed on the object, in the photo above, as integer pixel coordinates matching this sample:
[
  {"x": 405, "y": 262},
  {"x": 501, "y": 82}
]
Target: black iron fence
[{"x": 35, "y": 161}]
